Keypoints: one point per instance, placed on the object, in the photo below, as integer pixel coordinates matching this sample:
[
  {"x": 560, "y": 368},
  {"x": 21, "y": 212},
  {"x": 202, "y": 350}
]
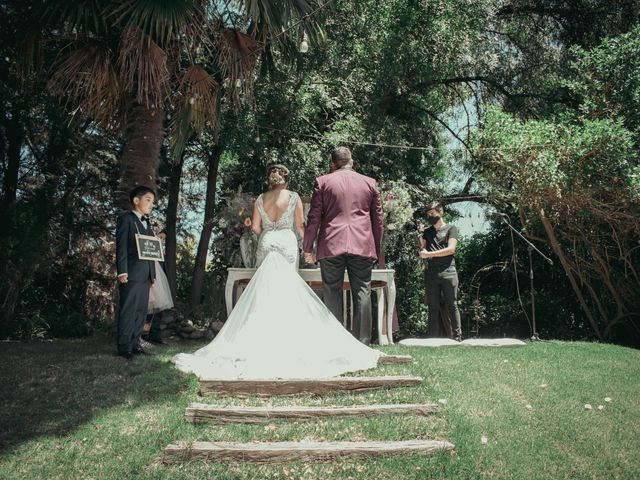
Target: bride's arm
[
  {"x": 256, "y": 220},
  {"x": 298, "y": 216}
]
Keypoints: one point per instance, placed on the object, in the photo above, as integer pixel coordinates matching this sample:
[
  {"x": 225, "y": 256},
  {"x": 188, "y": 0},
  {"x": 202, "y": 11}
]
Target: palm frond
[
  {"x": 180, "y": 132},
  {"x": 277, "y": 14},
  {"x": 201, "y": 92},
  {"x": 143, "y": 68},
  {"x": 197, "y": 107},
  {"x": 165, "y": 21},
  {"x": 87, "y": 81},
  {"x": 79, "y": 16},
  {"x": 238, "y": 55},
  {"x": 289, "y": 16},
  {"x": 285, "y": 22},
  {"x": 29, "y": 59}
]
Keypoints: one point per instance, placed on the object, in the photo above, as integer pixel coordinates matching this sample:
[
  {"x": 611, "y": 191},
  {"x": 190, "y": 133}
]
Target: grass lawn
[{"x": 72, "y": 409}]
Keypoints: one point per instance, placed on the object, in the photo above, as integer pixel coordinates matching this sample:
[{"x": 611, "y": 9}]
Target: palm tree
[{"x": 139, "y": 66}]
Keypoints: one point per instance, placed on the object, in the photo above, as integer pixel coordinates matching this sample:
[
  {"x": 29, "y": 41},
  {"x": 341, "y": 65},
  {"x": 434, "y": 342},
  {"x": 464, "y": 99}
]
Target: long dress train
[{"x": 279, "y": 328}]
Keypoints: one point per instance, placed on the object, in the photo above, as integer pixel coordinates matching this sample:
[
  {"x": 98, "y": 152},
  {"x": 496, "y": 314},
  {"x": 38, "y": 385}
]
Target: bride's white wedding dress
[{"x": 279, "y": 328}]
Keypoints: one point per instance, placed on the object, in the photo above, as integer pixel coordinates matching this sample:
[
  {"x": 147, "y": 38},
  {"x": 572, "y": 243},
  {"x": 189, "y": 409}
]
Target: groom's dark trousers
[{"x": 359, "y": 271}]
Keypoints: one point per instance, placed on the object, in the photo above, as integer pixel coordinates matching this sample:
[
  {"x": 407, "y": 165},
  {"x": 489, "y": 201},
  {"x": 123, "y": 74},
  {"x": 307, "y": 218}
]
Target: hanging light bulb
[{"x": 304, "y": 45}]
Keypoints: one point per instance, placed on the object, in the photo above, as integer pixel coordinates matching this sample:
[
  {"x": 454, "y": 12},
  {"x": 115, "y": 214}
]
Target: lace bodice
[
  {"x": 279, "y": 235},
  {"x": 285, "y": 222}
]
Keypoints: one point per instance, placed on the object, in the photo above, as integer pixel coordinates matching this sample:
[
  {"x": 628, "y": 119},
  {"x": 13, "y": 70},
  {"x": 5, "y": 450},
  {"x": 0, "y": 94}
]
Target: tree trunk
[
  {"x": 555, "y": 245},
  {"x": 15, "y": 138},
  {"x": 207, "y": 227},
  {"x": 172, "y": 222},
  {"x": 140, "y": 159}
]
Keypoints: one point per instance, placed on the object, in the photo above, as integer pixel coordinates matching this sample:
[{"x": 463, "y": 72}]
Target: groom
[{"x": 346, "y": 216}]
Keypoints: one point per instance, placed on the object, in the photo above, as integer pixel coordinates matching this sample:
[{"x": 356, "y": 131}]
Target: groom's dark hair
[{"x": 341, "y": 156}]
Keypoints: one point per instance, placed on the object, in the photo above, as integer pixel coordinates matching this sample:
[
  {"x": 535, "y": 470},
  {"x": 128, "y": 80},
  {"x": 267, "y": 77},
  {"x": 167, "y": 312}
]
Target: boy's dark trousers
[{"x": 134, "y": 303}]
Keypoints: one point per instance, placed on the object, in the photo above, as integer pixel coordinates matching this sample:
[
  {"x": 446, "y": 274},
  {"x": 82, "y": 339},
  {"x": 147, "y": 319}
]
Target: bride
[{"x": 279, "y": 328}]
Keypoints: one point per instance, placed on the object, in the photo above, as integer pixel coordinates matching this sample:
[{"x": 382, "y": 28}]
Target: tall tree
[{"x": 125, "y": 63}]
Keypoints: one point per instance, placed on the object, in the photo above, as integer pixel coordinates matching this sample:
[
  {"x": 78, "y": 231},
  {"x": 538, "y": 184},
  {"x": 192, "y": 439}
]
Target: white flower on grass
[
  {"x": 544, "y": 385},
  {"x": 588, "y": 406},
  {"x": 600, "y": 407},
  {"x": 528, "y": 406},
  {"x": 484, "y": 440},
  {"x": 607, "y": 399},
  {"x": 442, "y": 401}
]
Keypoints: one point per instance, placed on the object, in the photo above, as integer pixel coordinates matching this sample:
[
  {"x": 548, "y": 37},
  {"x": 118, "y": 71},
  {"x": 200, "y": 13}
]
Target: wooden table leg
[
  {"x": 350, "y": 310},
  {"x": 390, "y": 307},
  {"x": 345, "y": 321},
  {"x": 381, "y": 322},
  {"x": 228, "y": 294}
]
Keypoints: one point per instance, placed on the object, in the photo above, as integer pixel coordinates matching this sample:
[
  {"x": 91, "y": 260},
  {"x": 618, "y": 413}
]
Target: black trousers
[
  {"x": 443, "y": 282},
  {"x": 132, "y": 311},
  {"x": 359, "y": 271},
  {"x": 156, "y": 332}
]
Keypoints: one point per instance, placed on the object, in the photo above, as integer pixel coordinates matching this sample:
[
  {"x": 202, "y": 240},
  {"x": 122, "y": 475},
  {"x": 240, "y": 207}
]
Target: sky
[{"x": 473, "y": 218}]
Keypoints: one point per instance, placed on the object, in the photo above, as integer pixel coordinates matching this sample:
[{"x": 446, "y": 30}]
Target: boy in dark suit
[{"x": 134, "y": 275}]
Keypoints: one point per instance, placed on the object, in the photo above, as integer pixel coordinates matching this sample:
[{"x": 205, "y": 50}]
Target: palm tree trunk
[
  {"x": 140, "y": 159},
  {"x": 207, "y": 227},
  {"x": 172, "y": 222}
]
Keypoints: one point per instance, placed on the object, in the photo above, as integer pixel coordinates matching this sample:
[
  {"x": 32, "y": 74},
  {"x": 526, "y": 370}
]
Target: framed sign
[{"x": 149, "y": 247}]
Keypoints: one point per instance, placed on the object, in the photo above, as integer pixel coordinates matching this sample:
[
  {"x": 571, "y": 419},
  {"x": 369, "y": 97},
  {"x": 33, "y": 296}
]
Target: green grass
[{"x": 72, "y": 409}]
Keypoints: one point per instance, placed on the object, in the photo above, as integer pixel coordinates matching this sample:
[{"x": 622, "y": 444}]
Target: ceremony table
[{"x": 382, "y": 283}]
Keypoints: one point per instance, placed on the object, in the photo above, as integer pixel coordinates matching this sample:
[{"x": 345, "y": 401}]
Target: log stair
[
  {"x": 204, "y": 413},
  {"x": 278, "y": 452},
  {"x": 394, "y": 359},
  {"x": 314, "y": 386},
  {"x": 275, "y": 452}
]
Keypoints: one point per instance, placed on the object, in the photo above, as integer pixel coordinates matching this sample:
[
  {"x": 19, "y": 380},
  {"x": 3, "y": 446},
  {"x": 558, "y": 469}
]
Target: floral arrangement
[
  {"x": 397, "y": 207},
  {"x": 236, "y": 241}
]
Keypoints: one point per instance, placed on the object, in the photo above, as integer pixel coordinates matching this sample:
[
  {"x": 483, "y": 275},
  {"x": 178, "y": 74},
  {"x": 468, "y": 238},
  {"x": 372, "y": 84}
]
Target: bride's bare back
[{"x": 275, "y": 204}]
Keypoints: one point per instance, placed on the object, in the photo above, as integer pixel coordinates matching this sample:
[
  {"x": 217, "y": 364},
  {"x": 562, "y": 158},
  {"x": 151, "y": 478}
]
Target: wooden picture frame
[{"x": 149, "y": 247}]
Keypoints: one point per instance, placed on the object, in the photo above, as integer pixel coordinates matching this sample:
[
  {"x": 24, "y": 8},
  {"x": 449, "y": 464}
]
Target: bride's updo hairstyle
[{"x": 277, "y": 175}]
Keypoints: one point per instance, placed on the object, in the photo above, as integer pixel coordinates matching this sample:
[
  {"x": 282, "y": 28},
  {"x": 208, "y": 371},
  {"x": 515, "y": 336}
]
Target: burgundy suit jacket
[{"x": 345, "y": 216}]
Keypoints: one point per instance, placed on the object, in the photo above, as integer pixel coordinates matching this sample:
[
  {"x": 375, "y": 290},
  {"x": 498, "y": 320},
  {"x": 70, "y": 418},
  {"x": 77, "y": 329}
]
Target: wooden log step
[
  {"x": 393, "y": 359},
  {"x": 203, "y": 413},
  {"x": 273, "y": 452},
  {"x": 316, "y": 386}
]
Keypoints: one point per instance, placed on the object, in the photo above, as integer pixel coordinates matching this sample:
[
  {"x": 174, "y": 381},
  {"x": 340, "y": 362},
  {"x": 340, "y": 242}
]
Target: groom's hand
[{"x": 308, "y": 257}]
